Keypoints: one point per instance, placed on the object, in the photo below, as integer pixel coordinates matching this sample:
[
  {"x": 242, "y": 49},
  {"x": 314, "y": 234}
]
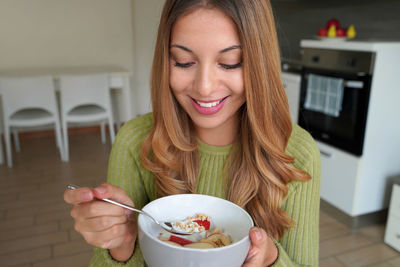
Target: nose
[{"x": 205, "y": 80}]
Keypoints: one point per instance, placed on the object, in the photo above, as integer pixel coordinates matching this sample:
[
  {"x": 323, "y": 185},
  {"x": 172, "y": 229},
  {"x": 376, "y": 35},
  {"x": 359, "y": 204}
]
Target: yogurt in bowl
[
  {"x": 225, "y": 215},
  {"x": 190, "y": 225}
]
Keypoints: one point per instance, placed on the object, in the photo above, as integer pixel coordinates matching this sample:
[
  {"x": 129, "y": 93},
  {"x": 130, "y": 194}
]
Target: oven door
[{"x": 345, "y": 131}]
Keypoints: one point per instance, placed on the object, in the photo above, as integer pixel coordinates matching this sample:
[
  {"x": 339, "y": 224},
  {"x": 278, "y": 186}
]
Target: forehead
[{"x": 205, "y": 27}]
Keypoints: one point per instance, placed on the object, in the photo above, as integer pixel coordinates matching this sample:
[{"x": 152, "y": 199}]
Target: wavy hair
[{"x": 257, "y": 170}]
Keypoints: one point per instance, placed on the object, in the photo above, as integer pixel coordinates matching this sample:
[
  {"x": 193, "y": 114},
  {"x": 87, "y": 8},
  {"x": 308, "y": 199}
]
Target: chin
[{"x": 210, "y": 122}]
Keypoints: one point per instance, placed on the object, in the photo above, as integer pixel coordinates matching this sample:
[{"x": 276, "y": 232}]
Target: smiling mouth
[{"x": 209, "y": 104}]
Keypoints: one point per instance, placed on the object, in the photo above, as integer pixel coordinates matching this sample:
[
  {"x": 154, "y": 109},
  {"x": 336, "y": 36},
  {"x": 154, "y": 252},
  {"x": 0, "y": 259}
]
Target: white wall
[
  {"x": 146, "y": 16},
  {"x": 49, "y": 33},
  {"x": 43, "y": 34}
]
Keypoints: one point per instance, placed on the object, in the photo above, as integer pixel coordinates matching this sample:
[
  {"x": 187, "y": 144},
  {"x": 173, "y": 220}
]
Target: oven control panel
[{"x": 339, "y": 60}]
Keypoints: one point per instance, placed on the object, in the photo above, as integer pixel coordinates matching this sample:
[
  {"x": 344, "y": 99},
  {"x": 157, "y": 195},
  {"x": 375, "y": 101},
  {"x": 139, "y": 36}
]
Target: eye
[
  {"x": 229, "y": 67},
  {"x": 183, "y": 65}
]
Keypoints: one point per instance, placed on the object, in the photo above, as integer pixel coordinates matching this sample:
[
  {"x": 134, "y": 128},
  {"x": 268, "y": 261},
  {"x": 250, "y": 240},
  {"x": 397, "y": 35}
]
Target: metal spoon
[{"x": 165, "y": 225}]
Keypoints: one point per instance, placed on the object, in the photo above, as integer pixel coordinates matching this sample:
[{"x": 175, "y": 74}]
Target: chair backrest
[
  {"x": 20, "y": 93},
  {"x": 79, "y": 90}
]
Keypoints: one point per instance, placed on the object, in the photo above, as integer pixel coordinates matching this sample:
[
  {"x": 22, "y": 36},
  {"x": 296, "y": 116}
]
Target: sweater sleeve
[
  {"x": 123, "y": 171},
  {"x": 300, "y": 244}
]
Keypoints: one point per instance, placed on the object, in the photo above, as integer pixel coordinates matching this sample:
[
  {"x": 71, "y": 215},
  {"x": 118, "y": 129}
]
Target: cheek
[
  {"x": 236, "y": 83},
  {"x": 179, "y": 81}
]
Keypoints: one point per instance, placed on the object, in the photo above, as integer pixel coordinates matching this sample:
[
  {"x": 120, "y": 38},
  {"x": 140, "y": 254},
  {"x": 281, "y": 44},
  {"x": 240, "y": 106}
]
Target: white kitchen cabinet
[
  {"x": 392, "y": 233},
  {"x": 340, "y": 176},
  {"x": 360, "y": 189},
  {"x": 291, "y": 82}
]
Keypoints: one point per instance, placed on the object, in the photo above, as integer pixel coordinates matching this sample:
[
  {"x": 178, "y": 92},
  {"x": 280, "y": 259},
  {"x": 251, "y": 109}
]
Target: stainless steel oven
[{"x": 351, "y": 71}]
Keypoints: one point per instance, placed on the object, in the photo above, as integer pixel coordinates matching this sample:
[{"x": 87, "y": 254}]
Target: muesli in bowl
[
  {"x": 198, "y": 234},
  {"x": 211, "y": 239},
  {"x": 232, "y": 221}
]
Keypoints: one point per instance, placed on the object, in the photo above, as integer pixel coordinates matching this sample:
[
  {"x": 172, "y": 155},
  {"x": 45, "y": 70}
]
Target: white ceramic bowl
[{"x": 229, "y": 217}]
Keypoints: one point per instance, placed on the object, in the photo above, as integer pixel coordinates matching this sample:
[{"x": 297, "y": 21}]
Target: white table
[{"x": 119, "y": 84}]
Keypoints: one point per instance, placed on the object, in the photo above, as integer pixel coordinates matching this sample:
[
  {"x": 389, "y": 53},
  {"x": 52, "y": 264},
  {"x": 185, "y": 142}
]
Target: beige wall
[
  {"x": 56, "y": 34},
  {"x": 59, "y": 33},
  {"x": 146, "y": 16},
  {"x": 42, "y": 34}
]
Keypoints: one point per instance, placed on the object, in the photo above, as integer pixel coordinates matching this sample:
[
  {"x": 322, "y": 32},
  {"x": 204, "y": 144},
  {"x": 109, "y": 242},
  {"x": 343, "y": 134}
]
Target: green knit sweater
[{"x": 298, "y": 247}]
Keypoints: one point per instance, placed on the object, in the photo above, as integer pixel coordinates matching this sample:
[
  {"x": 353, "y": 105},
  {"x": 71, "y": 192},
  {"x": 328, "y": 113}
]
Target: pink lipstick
[{"x": 208, "y": 107}]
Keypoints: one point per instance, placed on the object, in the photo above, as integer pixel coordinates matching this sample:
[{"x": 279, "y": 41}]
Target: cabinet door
[
  {"x": 339, "y": 174},
  {"x": 291, "y": 82}
]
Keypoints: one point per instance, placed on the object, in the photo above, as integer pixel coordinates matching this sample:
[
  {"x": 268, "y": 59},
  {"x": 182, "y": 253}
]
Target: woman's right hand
[{"x": 103, "y": 224}]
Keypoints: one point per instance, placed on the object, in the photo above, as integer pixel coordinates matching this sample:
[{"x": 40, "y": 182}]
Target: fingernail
[
  {"x": 100, "y": 189},
  {"x": 258, "y": 234},
  {"x": 86, "y": 195}
]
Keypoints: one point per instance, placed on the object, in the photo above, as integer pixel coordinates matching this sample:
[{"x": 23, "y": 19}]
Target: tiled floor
[{"x": 37, "y": 231}]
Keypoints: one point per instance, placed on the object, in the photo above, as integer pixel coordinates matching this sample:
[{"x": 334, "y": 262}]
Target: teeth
[{"x": 208, "y": 105}]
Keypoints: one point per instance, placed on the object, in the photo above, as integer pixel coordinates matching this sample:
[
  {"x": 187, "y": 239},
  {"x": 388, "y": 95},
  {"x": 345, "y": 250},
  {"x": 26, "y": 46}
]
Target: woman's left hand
[{"x": 263, "y": 251}]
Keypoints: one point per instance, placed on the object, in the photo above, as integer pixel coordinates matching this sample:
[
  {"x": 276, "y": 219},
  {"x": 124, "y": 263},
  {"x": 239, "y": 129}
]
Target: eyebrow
[{"x": 221, "y": 51}]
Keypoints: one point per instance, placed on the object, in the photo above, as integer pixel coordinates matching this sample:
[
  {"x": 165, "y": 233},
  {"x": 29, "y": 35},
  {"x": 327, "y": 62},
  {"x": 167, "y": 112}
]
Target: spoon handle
[
  {"x": 166, "y": 226},
  {"x": 71, "y": 186}
]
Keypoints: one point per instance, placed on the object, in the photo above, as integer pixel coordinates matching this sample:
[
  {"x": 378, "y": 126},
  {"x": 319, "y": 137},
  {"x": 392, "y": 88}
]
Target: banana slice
[
  {"x": 201, "y": 245},
  {"x": 220, "y": 239},
  {"x": 172, "y": 243}
]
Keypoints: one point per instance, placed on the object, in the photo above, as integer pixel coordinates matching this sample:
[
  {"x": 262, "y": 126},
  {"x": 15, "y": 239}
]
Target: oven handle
[
  {"x": 354, "y": 84},
  {"x": 350, "y": 84}
]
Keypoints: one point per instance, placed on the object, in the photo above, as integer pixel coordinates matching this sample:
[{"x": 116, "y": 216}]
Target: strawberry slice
[
  {"x": 204, "y": 223},
  {"x": 181, "y": 241}
]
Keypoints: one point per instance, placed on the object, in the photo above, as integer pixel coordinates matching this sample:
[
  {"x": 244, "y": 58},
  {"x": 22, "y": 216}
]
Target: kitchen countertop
[{"x": 359, "y": 45}]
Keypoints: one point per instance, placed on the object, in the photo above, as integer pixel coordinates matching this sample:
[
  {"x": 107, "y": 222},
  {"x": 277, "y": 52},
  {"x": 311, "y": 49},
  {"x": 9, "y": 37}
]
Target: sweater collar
[{"x": 206, "y": 148}]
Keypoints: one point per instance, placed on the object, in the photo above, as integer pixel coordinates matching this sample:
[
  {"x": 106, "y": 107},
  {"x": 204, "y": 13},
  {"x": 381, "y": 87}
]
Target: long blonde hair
[{"x": 258, "y": 169}]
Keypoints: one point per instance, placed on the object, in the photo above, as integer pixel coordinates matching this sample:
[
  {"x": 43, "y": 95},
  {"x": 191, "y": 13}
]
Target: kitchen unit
[
  {"x": 334, "y": 100},
  {"x": 359, "y": 139},
  {"x": 291, "y": 82}
]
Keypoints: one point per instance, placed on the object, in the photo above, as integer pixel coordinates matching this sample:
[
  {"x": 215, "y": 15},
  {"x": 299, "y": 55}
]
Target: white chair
[
  {"x": 85, "y": 99},
  {"x": 28, "y": 102},
  {"x": 1, "y": 132},
  {"x": 1, "y": 148},
  {"x": 16, "y": 143}
]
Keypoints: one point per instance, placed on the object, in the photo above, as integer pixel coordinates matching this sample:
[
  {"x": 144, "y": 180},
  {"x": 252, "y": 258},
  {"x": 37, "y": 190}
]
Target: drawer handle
[{"x": 326, "y": 154}]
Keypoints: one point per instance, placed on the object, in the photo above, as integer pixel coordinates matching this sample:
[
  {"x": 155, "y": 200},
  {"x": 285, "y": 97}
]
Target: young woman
[{"x": 220, "y": 126}]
